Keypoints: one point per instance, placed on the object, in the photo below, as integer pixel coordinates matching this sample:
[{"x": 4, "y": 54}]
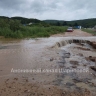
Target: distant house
[
  {"x": 24, "y": 24},
  {"x": 78, "y": 27},
  {"x": 30, "y": 23}
]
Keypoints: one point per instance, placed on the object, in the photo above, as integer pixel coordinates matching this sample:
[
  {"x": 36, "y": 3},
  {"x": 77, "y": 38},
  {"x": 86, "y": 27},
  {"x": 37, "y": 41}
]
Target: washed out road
[{"x": 41, "y": 54}]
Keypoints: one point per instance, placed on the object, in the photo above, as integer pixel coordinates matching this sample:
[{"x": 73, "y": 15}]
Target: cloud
[
  {"x": 11, "y": 4},
  {"x": 45, "y": 9}
]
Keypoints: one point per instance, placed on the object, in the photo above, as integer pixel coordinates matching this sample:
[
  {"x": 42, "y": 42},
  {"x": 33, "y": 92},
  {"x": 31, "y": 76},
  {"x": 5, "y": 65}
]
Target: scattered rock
[
  {"x": 93, "y": 44},
  {"x": 74, "y": 62},
  {"x": 74, "y": 66},
  {"x": 93, "y": 68},
  {"x": 91, "y": 58},
  {"x": 51, "y": 59},
  {"x": 69, "y": 84},
  {"x": 67, "y": 55},
  {"x": 84, "y": 64},
  {"x": 7, "y": 80},
  {"x": 63, "y": 62},
  {"x": 81, "y": 44},
  {"x": 26, "y": 80},
  {"x": 85, "y": 49},
  {"x": 80, "y": 54},
  {"x": 26, "y": 90},
  {"x": 87, "y": 92},
  {"x": 9, "y": 87},
  {"x": 77, "y": 80},
  {"x": 15, "y": 78}
]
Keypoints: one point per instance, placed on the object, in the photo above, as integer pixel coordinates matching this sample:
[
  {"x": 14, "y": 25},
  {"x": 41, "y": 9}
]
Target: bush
[
  {"x": 4, "y": 31},
  {"x": 27, "y": 31}
]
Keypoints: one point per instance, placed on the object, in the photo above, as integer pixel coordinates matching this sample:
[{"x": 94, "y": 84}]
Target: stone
[
  {"x": 51, "y": 59},
  {"x": 85, "y": 49},
  {"x": 15, "y": 78},
  {"x": 93, "y": 68},
  {"x": 91, "y": 58},
  {"x": 69, "y": 84},
  {"x": 77, "y": 80},
  {"x": 84, "y": 64},
  {"x": 74, "y": 66},
  {"x": 67, "y": 55},
  {"x": 80, "y": 54},
  {"x": 74, "y": 62},
  {"x": 93, "y": 44}
]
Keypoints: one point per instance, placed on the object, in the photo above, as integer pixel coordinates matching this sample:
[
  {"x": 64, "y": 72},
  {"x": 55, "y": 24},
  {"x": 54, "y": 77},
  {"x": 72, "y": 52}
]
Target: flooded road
[
  {"x": 26, "y": 54},
  {"x": 43, "y": 53}
]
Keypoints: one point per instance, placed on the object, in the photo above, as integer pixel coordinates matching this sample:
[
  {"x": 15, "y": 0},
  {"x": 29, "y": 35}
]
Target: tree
[
  {"x": 95, "y": 27},
  {"x": 58, "y": 24},
  {"x": 14, "y": 25},
  {"x": 65, "y": 23},
  {"x": 3, "y": 23},
  {"x": 75, "y": 24},
  {"x": 70, "y": 25}
]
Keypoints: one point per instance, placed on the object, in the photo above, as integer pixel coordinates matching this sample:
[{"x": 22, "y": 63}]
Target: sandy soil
[
  {"x": 40, "y": 54},
  {"x": 77, "y": 33}
]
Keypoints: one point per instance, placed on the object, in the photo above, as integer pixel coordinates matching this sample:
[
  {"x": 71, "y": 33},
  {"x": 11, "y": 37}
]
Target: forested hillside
[{"x": 84, "y": 23}]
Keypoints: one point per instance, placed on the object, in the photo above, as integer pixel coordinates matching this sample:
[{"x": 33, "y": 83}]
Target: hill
[
  {"x": 85, "y": 22},
  {"x": 22, "y": 19}
]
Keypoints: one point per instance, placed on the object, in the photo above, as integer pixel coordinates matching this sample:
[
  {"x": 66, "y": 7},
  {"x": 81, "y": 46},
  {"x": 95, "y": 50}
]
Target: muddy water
[
  {"x": 40, "y": 53},
  {"x": 27, "y": 54}
]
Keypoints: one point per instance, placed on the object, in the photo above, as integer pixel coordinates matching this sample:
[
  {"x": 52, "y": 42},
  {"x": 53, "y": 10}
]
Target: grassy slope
[{"x": 90, "y": 31}]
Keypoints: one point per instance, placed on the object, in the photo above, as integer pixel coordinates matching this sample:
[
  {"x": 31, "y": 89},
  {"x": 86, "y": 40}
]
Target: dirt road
[{"x": 77, "y": 33}]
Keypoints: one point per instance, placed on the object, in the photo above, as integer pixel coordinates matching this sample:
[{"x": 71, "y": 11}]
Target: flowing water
[{"x": 50, "y": 53}]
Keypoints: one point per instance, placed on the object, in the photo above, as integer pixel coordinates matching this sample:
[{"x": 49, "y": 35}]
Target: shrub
[{"x": 31, "y": 31}]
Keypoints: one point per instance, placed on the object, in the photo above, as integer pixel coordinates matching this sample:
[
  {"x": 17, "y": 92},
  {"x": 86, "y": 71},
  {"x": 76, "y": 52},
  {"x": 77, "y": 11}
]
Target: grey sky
[{"x": 49, "y": 9}]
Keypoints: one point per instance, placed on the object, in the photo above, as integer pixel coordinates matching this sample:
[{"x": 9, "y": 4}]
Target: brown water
[
  {"x": 41, "y": 53},
  {"x": 27, "y": 54}
]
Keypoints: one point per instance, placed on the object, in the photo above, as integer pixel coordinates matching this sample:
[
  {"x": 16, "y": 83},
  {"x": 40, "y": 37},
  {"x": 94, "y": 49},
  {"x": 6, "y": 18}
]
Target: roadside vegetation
[
  {"x": 13, "y": 28},
  {"x": 90, "y": 31},
  {"x": 20, "y": 27}
]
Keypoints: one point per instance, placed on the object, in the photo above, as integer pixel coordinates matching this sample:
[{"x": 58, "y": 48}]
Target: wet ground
[
  {"x": 79, "y": 74},
  {"x": 76, "y": 32},
  {"x": 42, "y": 57}
]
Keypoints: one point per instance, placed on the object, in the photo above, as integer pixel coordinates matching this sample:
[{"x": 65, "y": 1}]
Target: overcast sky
[{"x": 49, "y": 9}]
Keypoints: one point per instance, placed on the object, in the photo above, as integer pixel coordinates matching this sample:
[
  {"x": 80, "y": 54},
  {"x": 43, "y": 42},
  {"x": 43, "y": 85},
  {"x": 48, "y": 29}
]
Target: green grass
[
  {"x": 90, "y": 31},
  {"x": 32, "y": 32}
]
